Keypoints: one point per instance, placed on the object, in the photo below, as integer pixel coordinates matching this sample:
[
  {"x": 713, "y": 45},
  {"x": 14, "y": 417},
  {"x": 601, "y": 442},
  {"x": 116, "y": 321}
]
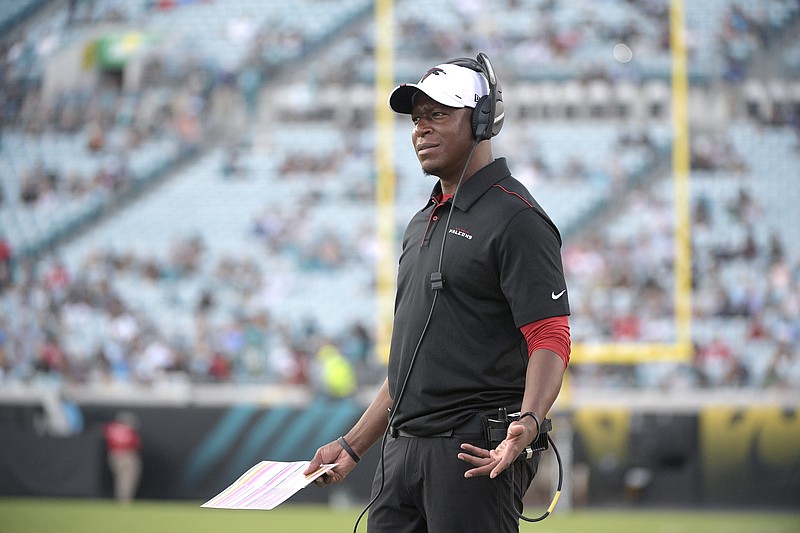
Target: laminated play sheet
[{"x": 266, "y": 485}]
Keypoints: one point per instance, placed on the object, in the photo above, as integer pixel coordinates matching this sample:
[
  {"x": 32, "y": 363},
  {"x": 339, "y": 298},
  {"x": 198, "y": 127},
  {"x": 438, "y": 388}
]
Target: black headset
[{"x": 489, "y": 113}]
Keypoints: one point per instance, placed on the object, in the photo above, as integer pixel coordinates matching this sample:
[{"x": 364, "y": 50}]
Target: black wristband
[
  {"x": 530, "y": 414},
  {"x": 353, "y": 455}
]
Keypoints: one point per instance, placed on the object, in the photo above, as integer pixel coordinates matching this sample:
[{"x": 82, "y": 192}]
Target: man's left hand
[{"x": 493, "y": 462}]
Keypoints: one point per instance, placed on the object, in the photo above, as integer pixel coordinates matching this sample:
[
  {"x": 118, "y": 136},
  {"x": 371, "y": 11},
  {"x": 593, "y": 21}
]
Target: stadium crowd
[
  {"x": 746, "y": 298},
  {"x": 61, "y": 324},
  {"x": 76, "y": 326}
]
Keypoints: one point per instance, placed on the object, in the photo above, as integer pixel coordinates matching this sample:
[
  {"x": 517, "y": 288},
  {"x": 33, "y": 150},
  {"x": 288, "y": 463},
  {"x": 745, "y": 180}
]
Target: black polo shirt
[{"x": 502, "y": 269}]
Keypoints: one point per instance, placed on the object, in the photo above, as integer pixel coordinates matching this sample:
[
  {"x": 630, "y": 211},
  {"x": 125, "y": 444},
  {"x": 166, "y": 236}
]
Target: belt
[
  {"x": 473, "y": 425},
  {"x": 399, "y": 432}
]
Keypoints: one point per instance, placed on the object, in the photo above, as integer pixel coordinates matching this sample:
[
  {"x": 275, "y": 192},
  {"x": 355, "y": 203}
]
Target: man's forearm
[
  {"x": 543, "y": 380},
  {"x": 372, "y": 424}
]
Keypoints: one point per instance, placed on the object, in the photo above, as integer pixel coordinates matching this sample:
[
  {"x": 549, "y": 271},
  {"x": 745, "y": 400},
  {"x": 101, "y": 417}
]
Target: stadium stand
[{"x": 160, "y": 229}]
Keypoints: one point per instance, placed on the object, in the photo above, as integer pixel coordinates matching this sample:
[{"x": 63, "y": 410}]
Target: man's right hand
[{"x": 328, "y": 454}]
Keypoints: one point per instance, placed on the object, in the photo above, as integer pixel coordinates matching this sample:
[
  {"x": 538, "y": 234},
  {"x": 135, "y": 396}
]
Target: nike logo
[{"x": 555, "y": 296}]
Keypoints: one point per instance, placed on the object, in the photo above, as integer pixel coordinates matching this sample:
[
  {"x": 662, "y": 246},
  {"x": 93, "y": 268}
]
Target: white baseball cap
[{"x": 449, "y": 84}]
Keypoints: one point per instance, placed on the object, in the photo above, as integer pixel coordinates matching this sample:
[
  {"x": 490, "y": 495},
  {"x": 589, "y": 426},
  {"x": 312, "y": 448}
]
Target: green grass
[{"x": 28, "y": 515}]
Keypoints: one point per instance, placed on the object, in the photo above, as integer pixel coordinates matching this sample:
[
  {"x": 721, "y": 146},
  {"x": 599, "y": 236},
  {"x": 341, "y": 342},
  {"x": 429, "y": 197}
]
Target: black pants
[{"x": 425, "y": 490}]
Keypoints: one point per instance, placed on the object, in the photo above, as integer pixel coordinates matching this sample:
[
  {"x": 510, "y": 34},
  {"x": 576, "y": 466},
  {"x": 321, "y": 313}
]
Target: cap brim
[{"x": 400, "y": 99}]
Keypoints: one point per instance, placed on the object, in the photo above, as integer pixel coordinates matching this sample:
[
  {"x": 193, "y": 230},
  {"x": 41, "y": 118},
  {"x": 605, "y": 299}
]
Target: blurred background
[{"x": 201, "y": 203}]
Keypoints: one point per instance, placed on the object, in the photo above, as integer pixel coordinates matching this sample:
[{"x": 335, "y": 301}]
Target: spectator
[
  {"x": 62, "y": 416},
  {"x": 337, "y": 376},
  {"x": 5, "y": 264}
]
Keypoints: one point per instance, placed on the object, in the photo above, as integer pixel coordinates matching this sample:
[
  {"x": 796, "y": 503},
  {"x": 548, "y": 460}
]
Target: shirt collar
[{"x": 476, "y": 185}]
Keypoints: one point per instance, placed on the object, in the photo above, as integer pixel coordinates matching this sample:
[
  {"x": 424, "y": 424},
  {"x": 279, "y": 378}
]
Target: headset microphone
[{"x": 487, "y": 120}]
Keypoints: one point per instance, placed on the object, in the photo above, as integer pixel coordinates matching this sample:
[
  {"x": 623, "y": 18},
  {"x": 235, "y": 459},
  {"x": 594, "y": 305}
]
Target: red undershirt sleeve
[{"x": 551, "y": 334}]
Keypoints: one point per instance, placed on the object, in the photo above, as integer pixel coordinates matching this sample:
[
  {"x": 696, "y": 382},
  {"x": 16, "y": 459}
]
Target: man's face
[{"x": 442, "y": 136}]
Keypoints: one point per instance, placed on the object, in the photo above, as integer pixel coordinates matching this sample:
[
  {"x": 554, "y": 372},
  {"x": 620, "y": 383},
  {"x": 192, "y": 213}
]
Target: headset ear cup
[
  {"x": 481, "y": 116},
  {"x": 499, "y": 116},
  {"x": 488, "y": 116}
]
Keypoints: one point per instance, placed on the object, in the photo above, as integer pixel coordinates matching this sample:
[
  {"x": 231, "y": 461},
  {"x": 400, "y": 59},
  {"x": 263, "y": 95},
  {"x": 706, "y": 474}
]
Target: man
[
  {"x": 492, "y": 333},
  {"x": 124, "y": 444}
]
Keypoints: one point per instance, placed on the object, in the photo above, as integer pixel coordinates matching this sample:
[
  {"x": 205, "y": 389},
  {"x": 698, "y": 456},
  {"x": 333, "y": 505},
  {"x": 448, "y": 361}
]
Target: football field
[{"x": 23, "y": 515}]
